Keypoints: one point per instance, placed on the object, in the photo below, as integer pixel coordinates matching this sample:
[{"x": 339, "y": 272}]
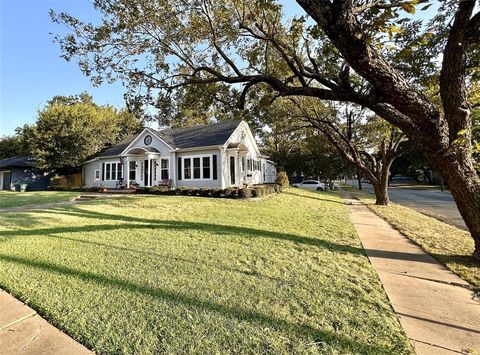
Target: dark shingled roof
[
  {"x": 20, "y": 161},
  {"x": 118, "y": 148},
  {"x": 200, "y": 136},
  {"x": 193, "y": 137}
]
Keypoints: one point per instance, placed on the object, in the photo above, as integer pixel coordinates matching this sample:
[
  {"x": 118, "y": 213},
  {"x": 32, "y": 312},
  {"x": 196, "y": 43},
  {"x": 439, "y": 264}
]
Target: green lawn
[
  {"x": 16, "y": 199},
  {"x": 450, "y": 245},
  {"x": 174, "y": 274}
]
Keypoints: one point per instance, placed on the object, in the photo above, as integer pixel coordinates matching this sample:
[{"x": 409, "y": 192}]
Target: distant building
[{"x": 20, "y": 170}]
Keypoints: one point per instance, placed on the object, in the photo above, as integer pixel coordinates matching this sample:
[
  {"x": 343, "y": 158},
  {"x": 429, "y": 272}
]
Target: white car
[{"x": 311, "y": 185}]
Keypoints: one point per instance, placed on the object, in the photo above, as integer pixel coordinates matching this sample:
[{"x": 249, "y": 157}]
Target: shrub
[
  {"x": 245, "y": 193},
  {"x": 282, "y": 179}
]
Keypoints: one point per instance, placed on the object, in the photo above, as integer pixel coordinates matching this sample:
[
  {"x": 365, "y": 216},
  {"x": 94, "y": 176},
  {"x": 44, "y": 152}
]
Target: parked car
[
  {"x": 402, "y": 180},
  {"x": 310, "y": 184},
  {"x": 365, "y": 181}
]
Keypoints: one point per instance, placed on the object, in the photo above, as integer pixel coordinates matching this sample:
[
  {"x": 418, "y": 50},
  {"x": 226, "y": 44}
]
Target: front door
[
  {"x": 145, "y": 173},
  {"x": 232, "y": 170}
]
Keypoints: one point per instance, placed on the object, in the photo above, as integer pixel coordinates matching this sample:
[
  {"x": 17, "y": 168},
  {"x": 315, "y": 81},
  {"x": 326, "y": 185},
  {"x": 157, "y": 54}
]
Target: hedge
[{"x": 231, "y": 192}]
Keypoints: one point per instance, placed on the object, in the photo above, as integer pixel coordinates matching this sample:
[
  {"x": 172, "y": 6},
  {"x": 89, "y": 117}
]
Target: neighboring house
[
  {"x": 219, "y": 155},
  {"x": 20, "y": 170}
]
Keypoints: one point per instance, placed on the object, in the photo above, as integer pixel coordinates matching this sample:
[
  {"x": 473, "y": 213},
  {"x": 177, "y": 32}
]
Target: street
[{"x": 436, "y": 203}]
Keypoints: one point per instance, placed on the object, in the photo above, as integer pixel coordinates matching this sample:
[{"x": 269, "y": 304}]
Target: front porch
[{"x": 145, "y": 167}]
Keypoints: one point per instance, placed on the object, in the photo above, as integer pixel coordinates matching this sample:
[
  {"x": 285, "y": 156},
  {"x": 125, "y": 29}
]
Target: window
[
  {"x": 249, "y": 164},
  {"x": 206, "y": 167},
  {"x": 197, "y": 167},
  {"x": 97, "y": 175},
  {"x": 243, "y": 164},
  {"x": 154, "y": 164},
  {"x": 141, "y": 170},
  {"x": 187, "y": 168},
  {"x": 113, "y": 171},
  {"x": 132, "y": 175},
  {"x": 164, "y": 169}
]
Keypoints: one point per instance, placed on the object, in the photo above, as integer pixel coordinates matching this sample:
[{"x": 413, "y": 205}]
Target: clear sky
[{"x": 31, "y": 70}]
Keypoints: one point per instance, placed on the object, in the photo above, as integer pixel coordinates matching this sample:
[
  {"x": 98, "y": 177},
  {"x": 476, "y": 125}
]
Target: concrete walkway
[
  {"x": 23, "y": 331},
  {"x": 436, "y": 308}
]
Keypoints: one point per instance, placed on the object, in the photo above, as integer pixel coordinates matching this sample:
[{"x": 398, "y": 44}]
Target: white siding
[{"x": 89, "y": 174}]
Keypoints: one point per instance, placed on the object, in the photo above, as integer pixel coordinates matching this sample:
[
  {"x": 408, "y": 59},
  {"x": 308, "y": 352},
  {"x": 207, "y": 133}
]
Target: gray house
[
  {"x": 219, "y": 155},
  {"x": 21, "y": 170}
]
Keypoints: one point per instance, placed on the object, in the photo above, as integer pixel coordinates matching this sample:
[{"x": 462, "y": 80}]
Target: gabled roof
[
  {"x": 200, "y": 136},
  {"x": 20, "y": 161},
  {"x": 192, "y": 137}
]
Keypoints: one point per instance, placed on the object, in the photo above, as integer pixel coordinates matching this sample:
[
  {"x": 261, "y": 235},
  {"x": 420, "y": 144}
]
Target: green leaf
[{"x": 409, "y": 8}]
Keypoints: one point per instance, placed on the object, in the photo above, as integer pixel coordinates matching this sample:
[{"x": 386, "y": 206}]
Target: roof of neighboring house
[
  {"x": 20, "y": 161},
  {"x": 193, "y": 137}
]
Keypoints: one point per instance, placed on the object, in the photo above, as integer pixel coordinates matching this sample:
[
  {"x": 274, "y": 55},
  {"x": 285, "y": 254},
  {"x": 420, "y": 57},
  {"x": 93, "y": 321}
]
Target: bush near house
[
  {"x": 282, "y": 179},
  {"x": 242, "y": 192}
]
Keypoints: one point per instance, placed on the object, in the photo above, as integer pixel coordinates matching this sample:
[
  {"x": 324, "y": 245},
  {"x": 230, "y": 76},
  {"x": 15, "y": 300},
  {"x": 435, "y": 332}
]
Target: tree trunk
[
  {"x": 464, "y": 185},
  {"x": 381, "y": 193}
]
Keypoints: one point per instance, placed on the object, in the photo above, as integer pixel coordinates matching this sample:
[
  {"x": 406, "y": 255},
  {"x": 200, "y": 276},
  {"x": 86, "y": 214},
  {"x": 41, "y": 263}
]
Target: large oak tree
[{"x": 413, "y": 73}]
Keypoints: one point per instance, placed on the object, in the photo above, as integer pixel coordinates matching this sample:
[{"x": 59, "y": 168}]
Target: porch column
[
  {"x": 126, "y": 171},
  {"x": 149, "y": 167}
]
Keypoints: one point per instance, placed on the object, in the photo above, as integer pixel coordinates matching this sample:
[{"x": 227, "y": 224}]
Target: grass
[
  {"x": 17, "y": 199},
  {"x": 448, "y": 244},
  {"x": 175, "y": 274}
]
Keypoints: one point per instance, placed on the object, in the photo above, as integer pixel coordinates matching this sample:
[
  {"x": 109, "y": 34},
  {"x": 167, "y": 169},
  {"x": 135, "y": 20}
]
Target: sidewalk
[
  {"x": 435, "y": 307},
  {"x": 23, "y": 331}
]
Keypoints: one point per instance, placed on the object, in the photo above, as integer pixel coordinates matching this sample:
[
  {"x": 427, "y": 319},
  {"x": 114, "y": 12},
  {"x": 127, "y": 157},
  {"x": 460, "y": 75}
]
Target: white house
[{"x": 219, "y": 155}]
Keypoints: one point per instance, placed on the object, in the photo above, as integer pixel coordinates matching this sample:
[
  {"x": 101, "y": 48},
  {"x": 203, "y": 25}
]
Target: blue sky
[{"x": 31, "y": 70}]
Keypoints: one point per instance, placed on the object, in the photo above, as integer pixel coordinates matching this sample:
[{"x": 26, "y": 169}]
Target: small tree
[
  {"x": 11, "y": 146},
  {"x": 70, "y": 130}
]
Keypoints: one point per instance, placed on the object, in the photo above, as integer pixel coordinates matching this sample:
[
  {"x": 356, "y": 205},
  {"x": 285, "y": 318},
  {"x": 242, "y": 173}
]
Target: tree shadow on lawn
[
  {"x": 252, "y": 316},
  {"x": 143, "y": 223},
  {"x": 312, "y": 197},
  {"x": 174, "y": 258}
]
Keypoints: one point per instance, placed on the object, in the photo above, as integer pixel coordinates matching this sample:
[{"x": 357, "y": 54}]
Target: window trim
[
  {"x": 162, "y": 169},
  {"x": 109, "y": 168},
  {"x": 201, "y": 156}
]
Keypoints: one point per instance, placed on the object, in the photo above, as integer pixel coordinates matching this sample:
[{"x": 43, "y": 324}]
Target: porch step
[{"x": 119, "y": 191}]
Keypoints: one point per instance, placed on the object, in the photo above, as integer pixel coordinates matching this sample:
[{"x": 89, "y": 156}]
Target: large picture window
[
  {"x": 197, "y": 167},
  {"x": 113, "y": 171}
]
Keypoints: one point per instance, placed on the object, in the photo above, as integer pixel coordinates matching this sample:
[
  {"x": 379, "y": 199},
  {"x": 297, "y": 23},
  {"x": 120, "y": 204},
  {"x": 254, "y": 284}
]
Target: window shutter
[
  {"x": 214, "y": 166},
  {"x": 103, "y": 171},
  {"x": 179, "y": 168}
]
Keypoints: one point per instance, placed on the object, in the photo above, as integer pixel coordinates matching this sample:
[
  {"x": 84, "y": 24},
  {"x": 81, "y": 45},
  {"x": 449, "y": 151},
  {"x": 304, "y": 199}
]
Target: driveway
[{"x": 436, "y": 203}]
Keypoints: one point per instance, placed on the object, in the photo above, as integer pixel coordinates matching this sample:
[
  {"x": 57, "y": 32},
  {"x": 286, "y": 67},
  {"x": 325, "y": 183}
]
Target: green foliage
[
  {"x": 282, "y": 179},
  {"x": 231, "y": 192},
  {"x": 70, "y": 130},
  {"x": 11, "y": 146}
]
